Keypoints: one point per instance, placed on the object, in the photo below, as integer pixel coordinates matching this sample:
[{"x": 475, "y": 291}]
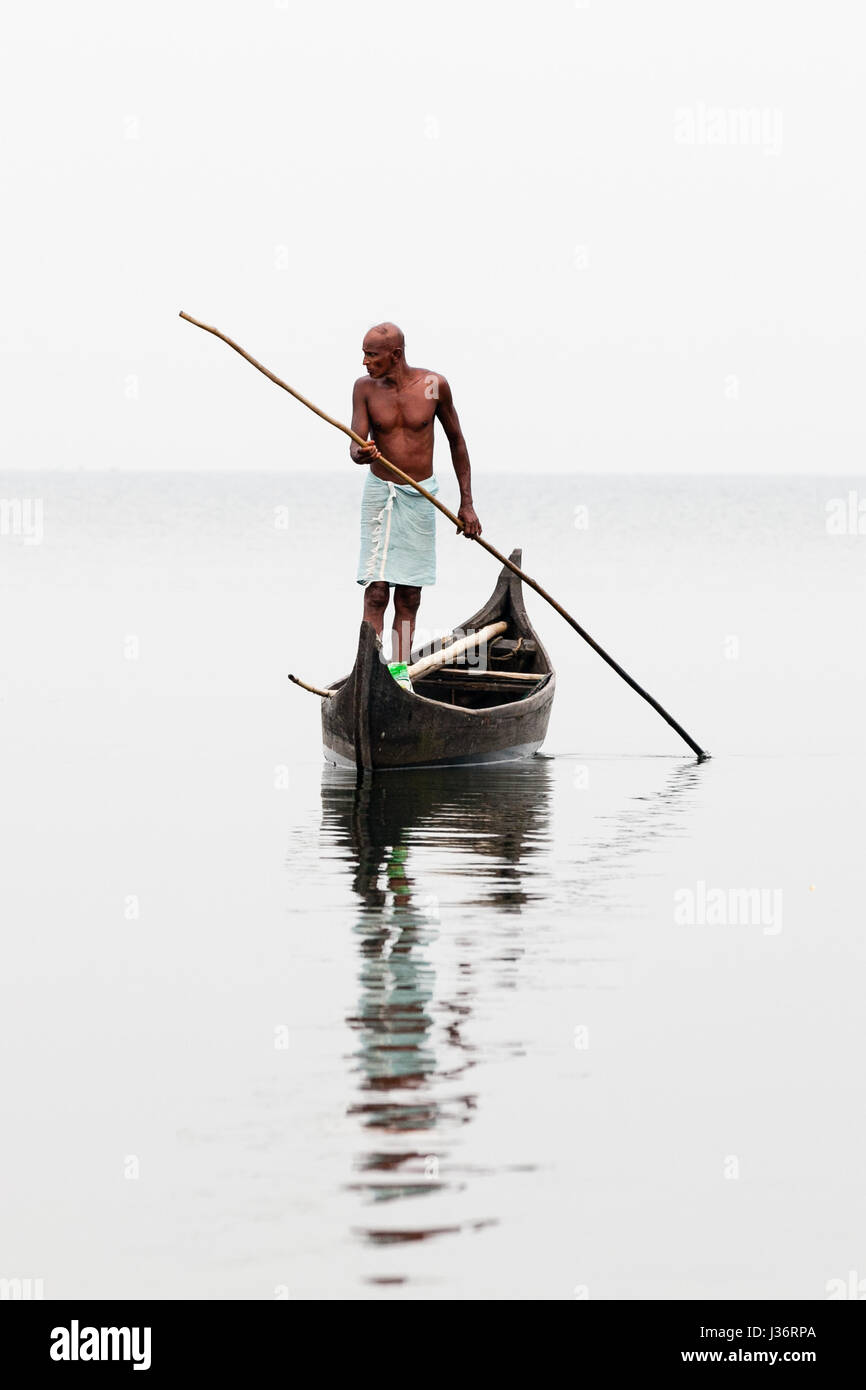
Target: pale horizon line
[{"x": 493, "y": 473}]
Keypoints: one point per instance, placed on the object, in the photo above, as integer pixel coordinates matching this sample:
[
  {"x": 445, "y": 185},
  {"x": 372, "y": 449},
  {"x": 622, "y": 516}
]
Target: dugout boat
[{"x": 488, "y": 703}]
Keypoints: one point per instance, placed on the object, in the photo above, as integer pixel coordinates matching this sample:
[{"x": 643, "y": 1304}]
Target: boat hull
[
  {"x": 372, "y": 723},
  {"x": 502, "y": 755}
]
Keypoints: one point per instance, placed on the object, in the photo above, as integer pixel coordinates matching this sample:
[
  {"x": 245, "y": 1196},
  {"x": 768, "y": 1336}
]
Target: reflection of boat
[
  {"x": 400, "y": 836},
  {"x": 496, "y": 816},
  {"x": 458, "y": 713}
]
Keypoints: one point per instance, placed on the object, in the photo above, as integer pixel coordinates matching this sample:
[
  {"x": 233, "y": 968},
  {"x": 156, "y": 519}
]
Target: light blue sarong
[{"x": 398, "y": 533}]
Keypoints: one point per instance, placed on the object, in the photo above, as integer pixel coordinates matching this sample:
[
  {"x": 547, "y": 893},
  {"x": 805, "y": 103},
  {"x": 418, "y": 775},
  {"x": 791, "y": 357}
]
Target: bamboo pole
[
  {"x": 436, "y": 660},
  {"x": 313, "y": 689},
  {"x": 446, "y": 655},
  {"x": 494, "y": 675},
  {"x": 701, "y": 754}
]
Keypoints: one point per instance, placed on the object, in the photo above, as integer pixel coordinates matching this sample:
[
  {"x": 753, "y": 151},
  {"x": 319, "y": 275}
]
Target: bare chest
[{"x": 412, "y": 409}]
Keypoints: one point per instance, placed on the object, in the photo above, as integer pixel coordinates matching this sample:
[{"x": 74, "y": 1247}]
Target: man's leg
[
  {"x": 375, "y": 603},
  {"x": 406, "y": 601}
]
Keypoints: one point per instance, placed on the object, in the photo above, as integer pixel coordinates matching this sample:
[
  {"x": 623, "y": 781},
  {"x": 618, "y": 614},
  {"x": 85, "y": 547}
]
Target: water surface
[{"x": 443, "y": 1036}]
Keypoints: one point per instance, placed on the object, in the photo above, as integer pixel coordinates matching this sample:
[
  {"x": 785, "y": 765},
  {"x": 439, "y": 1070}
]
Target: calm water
[{"x": 456, "y": 1034}]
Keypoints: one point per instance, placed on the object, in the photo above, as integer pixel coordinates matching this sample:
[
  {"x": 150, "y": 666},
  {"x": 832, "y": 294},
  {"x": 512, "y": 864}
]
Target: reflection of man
[
  {"x": 395, "y": 405},
  {"x": 397, "y": 984}
]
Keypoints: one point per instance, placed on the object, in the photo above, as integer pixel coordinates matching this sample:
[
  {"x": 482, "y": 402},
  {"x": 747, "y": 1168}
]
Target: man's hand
[
  {"x": 471, "y": 524},
  {"x": 365, "y": 453}
]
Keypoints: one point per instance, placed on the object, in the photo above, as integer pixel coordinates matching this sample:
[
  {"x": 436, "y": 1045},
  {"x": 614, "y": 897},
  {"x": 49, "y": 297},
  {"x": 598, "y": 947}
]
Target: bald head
[
  {"x": 387, "y": 336},
  {"x": 383, "y": 350}
]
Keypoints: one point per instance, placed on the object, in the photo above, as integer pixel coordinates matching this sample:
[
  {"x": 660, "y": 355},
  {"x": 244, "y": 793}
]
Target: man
[{"x": 394, "y": 406}]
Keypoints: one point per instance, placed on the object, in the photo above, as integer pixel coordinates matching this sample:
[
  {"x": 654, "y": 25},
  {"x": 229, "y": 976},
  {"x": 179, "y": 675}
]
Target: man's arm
[
  {"x": 447, "y": 416},
  {"x": 361, "y": 425}
]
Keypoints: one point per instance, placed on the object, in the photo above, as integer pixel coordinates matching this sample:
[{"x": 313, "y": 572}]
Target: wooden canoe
[{"x": 460, "y": 713}]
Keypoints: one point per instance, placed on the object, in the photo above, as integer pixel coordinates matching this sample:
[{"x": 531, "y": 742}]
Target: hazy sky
[{"x": 630, "y": 234}]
